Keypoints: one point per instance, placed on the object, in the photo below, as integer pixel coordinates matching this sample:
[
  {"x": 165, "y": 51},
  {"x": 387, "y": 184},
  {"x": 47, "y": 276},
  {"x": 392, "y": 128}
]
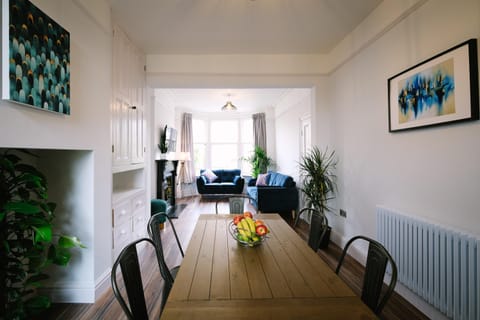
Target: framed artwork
[
  {"x": 36, "y": 58},
  {"x": 440, "y": 90}
]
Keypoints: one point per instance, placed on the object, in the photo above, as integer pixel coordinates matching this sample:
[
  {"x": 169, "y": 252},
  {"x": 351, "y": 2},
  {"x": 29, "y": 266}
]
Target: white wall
[
  {"x": 431, "y": 173},
  {"x": 163, "y": 111},
  {"x": 294, "y": 106},
  {"x": 87, "y": 128}
]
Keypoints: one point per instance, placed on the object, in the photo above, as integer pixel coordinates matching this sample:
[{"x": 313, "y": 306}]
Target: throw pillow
[
  {"x": 262, "y": 179},
  {"x": 209, "y": 175}
]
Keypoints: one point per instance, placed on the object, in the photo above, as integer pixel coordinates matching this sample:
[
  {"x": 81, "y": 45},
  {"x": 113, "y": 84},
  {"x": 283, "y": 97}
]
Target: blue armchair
[{"x": 280, "y": 194}]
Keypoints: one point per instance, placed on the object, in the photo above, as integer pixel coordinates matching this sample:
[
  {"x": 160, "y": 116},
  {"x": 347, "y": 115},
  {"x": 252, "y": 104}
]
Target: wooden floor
[{"x": 107, "y": 307}]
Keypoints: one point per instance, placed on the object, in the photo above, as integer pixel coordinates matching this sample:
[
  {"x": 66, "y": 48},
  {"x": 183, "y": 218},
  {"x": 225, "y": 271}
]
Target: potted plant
[
  {"x": 27, "y": 244},
  {"x": 259, "y": 161},
  {"x": 163, "y": 146},
  {"x": 319, "y": 182}
]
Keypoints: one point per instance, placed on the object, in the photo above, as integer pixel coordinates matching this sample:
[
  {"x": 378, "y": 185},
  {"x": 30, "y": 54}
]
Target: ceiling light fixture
[{"x": 229, "y": 106}]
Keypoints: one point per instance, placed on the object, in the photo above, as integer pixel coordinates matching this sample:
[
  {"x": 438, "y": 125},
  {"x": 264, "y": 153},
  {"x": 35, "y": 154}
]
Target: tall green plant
[
  {"x": 259, "y": 161},
  {"x": 163, "y": 141},
  {"x": 318, "y": 178},
  {"x": 27, "y": 243}
]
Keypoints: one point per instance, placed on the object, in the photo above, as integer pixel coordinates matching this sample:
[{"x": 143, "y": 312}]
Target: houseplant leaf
[
  {"x": 69, "y": 242},
  {"x": 43, "y": 233},
  {"x": 22, "y": 207}
]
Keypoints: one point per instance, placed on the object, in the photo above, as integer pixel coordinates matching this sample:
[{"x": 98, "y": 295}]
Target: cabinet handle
[{"x": 133, "y": 107}]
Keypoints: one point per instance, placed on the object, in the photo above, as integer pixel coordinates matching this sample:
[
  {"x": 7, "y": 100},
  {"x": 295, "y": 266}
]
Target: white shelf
[
  {"x": 128, "y": 167},
  {"x": 119, "y": 195}
]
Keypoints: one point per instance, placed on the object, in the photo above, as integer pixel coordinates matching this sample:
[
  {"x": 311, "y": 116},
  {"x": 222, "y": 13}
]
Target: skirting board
[{"x": 73, "y": 293}]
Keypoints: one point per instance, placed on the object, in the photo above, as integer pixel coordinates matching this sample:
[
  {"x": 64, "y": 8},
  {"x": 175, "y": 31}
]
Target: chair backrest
[
  {"x": 130, "y": 269},
  {"x": 377, "y": 260},
  {"x": 155, "y": 234},
  {"x": 318, "y": 227},
  {"x": 236, "y": 203}
]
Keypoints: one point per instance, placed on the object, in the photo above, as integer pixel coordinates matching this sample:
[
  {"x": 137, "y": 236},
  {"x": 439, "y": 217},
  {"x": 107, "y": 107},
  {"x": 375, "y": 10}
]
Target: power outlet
[{"x": 343, "y": 213}]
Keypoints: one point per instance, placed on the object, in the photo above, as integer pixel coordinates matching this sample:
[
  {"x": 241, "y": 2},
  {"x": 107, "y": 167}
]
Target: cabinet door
[
  {"x": 120, "y": 131},
  {"x": 128, "y": 114},
  {"x": 137, "y": 134}
]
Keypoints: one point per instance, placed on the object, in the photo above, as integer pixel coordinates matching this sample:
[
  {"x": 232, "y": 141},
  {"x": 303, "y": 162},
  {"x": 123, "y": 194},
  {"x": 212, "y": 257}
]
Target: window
[{"x": 221, "y": 144}]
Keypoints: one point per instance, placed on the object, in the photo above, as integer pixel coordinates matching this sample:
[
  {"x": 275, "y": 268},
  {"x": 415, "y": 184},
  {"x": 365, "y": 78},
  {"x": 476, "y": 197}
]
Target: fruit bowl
[{"x": 246, "y": 234}]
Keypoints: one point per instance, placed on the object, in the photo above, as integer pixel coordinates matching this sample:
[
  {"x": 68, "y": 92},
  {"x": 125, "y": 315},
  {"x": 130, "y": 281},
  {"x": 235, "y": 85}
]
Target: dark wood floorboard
[{"x": 108, "y": 308}]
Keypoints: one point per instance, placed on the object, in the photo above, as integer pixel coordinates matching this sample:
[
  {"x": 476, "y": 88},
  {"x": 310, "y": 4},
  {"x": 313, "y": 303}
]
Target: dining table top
[{"x": 282, "y": 278}]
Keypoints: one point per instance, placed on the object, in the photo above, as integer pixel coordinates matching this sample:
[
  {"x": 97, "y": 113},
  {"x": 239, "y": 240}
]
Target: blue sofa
[
  {"x": 229, "y": 181},
  {"x": 280, "y": 194}
]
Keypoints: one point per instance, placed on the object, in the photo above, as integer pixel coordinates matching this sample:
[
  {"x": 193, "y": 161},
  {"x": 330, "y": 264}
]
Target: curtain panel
[
  {"x": 259, "y": 130},
  {"x": 186, "y": 145}
]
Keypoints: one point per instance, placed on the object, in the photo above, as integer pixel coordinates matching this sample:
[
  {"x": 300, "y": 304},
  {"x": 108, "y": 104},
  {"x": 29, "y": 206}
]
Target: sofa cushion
[
  {"x": 228, "y": 175},
  {"x": 280, "y": 180},
  {"x": 209, "y": 175},
  {"x": 262, "y": 179}
]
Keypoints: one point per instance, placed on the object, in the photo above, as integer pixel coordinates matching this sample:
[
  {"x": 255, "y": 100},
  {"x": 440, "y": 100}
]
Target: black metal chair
[
  {"x": 132, "y": 278},
  {"x": 155, "y": 234},
  {"x": 236, "y": 202},
  {"x": 318, "y": 227},
  {"x": 375, "y": 269}
]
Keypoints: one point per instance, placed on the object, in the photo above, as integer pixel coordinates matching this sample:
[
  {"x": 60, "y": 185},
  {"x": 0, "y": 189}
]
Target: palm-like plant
[
  {"x": 259, "y": 161},
  {"x": 318, "y": 178}
]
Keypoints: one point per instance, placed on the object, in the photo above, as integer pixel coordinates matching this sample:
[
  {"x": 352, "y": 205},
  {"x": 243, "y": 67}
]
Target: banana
[
  {"x": 245, "y": 227},
  {"x": 251, "y": 224},
  {"x": 241, "y": 231}
]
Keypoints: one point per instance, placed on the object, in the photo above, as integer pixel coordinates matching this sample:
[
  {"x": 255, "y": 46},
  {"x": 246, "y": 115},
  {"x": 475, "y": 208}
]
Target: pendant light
[{"x": 229, "y": 105}]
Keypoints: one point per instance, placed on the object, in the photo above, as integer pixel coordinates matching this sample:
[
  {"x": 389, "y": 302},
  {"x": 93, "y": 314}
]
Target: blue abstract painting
[
  {"x": 427, "y": 94},
  {"x": 39, "y": 59}
]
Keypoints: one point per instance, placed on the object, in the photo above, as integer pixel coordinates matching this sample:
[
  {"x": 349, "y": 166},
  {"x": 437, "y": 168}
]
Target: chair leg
[{"x": 297, "y": 217}]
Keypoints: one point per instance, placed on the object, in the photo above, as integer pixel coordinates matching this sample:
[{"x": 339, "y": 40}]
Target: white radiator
[{"x": 440, "y": 264}]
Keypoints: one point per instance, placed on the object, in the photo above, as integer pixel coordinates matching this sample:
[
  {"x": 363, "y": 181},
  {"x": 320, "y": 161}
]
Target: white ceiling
[
  {"x": 236, "y": 27},
  {"x": 239, "y": 26},
  {"x": 212, "y": 100}
]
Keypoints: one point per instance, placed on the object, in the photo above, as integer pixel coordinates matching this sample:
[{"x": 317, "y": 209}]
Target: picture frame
[
  {"x": 439, "y": 90},
  {"x": 35, "y": 58}
]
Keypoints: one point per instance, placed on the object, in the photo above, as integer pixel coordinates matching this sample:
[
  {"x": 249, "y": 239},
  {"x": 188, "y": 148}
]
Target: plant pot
[
  {"x": 326, "y": 239},
  {"x": 316, "y": 230}
]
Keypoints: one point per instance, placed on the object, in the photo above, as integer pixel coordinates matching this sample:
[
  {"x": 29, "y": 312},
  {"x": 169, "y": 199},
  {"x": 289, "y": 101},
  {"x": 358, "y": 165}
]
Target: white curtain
[
  {"x": 186, "y": 145},
  {"x": 259, "y": 130}
]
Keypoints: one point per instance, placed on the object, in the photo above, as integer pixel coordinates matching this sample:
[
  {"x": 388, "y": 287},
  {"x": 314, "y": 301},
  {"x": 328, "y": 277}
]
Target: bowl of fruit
[{"x": 247, "y": 230}]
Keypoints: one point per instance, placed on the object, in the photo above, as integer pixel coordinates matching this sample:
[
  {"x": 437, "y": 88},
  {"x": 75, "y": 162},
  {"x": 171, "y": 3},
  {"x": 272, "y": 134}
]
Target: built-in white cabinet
[
  {"x": 128, "y": 134},
  {"x": 129, "y": 218},
  {"x": 128, "y": 104}
]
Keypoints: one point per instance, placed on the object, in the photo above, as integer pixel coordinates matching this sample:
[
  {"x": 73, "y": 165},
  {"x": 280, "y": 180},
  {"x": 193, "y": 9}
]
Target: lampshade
[
  {"x": 229, "y": 107},
  {"x": 183, "y": 156}
]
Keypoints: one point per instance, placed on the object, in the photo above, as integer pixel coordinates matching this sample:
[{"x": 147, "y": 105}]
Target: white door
[
  {"x": 305, "y": 145},
  {"x": 306, "y": 135}
]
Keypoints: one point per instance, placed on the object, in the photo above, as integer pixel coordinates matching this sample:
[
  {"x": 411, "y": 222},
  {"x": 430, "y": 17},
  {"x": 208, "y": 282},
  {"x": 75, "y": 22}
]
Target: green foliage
[
  {"x": 259, "y": 161},
  {"x": 163, "y": 141},
  {"x": 26, "y": 238},
  {"x": 318, "y": 178}
]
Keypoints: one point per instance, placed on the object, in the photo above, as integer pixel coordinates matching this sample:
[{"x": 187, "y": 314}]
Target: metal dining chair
[
  {"x": 377, "y": 260},
  {"x": 132, "y": 278},
  {"x": 236, "y": 202},
  {"x": 318, "y": 227},
  {"x": 154, "y": 231}
]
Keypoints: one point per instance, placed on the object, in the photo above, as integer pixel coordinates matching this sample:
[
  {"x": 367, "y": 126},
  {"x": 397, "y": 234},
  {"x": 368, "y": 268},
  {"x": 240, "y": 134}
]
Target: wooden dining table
[{"x": 282, "y": 278}]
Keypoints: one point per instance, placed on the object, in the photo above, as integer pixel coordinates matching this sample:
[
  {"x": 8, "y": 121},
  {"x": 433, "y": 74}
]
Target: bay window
[{"x": 221, "y": 144}]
